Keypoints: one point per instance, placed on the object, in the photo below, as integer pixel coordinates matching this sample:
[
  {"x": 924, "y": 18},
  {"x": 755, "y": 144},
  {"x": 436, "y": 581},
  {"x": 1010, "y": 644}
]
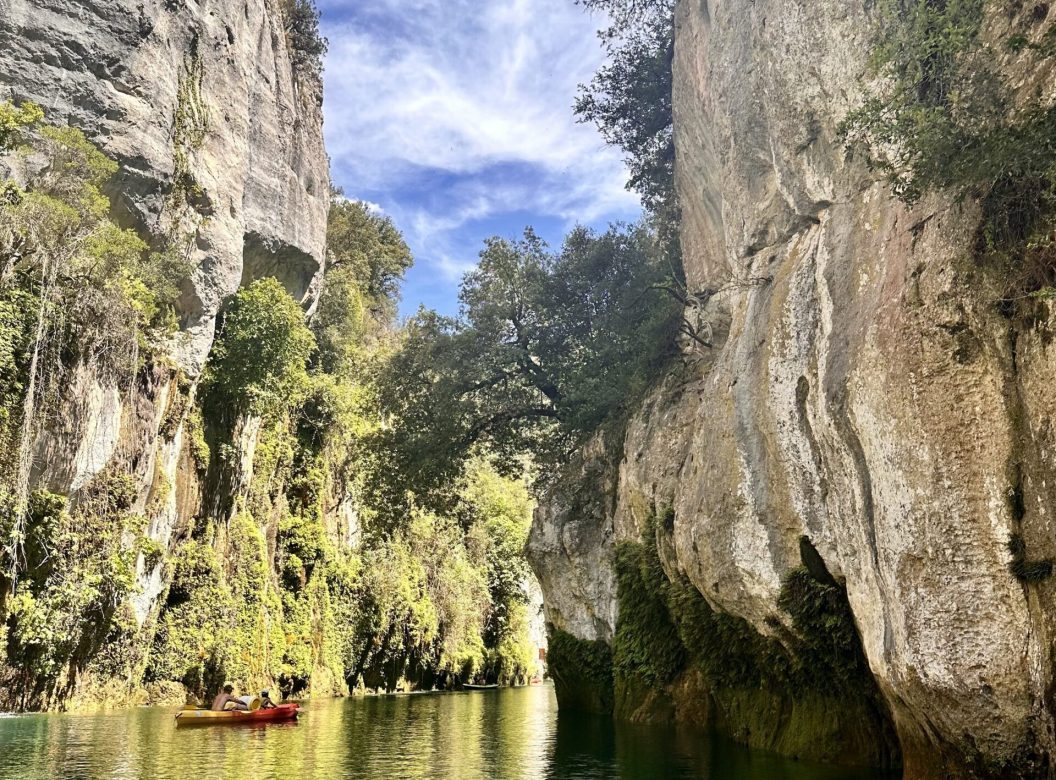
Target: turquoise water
[{"x": 515, "y": 734}]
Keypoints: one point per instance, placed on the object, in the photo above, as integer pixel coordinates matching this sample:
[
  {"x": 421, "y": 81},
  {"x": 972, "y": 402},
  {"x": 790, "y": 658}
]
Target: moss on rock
[
  {"x": 582, "y": 672},
  {"x": 805, "y": 691}
]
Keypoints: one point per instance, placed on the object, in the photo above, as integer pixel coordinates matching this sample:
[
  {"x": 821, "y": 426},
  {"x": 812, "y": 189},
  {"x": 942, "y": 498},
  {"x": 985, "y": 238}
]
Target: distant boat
[
  {"x": 469, "y": 687},
  {"x": 231, "y": 717}
]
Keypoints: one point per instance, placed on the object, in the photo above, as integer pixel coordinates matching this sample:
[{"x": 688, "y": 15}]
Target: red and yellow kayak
[{"x": 231, "y": 717}]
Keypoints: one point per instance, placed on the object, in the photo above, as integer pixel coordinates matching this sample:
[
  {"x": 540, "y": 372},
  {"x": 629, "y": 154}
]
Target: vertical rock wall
[
  {"x": 220, "y": 147},
  {"x": 868, "y": 391}
]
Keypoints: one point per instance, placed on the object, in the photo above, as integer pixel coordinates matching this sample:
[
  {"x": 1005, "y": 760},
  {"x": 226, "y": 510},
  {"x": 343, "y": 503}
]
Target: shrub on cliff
[
  {"x": 943, "y": 116},
  {"x": 15, "y": 121},
  {"x": 302, "y": 27},
  {"x": 259, "y": 361}
]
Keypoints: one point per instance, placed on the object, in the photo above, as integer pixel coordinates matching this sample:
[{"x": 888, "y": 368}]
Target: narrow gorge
[{"x": 788, "y": 439}]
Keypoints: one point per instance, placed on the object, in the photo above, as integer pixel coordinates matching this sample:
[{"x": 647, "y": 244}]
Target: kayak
[
  {"x": 469, "y": 687},
  {"x": 231, "y": 717}
]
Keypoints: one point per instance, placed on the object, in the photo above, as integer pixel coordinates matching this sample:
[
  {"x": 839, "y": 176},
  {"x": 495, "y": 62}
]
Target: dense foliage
[
  {"x": 548, "y": 346},
  {"x": 427, "y": 599},
  {"x": 78, "y": 295},
  {"x": 259, "y": 362},
  {"x": 308, "y": 45},
  {"x": 629, "y": 98},
  {"x": 366, "y": 259},
  {"x": 76, "y": 290},
  {"x": 284, "y": 574},
  {"x": 945, "y": 116}
]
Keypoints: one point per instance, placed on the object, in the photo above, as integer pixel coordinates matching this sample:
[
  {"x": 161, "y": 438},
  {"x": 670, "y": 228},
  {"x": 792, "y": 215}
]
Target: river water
[{"x": 490, "y": 735}]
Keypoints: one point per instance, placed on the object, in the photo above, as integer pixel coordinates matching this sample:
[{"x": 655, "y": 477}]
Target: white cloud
[
  {"x": 476, "y": 96},
  {"x": 459, "y": 87}
]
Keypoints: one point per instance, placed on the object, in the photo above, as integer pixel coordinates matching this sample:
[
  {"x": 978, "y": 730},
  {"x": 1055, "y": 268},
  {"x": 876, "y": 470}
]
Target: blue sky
[{"x": 454, "y": 117}]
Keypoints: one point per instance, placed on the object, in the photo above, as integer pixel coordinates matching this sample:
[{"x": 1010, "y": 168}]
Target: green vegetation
[
  {"x": 290, "y": 572},
  {"x": 582, "y": 672},
  {"x": 783, "y": 691},
  {"x": 646, "y": 645},
  {"x": 259, "y": 362},
  {"x": 366, "y": 258},
  {"x": 76, "y": 290},
  {"x": 190, "y": 123},
  {"x": 76, "y": 574},
  {"x": 15, "y": 120},
  {"x": 630, "y": 97},
  {"x": 302, "y": 31},
  {"x": 944, "y": 117},
  {"x": 547, "y": 348},
  {"x": 426, "y": 598}
]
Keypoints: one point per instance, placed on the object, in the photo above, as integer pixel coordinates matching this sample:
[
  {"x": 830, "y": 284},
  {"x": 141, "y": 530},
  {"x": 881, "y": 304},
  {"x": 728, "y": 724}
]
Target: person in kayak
[
  {"x": 265, "y": 701},
  {"x": 227, "y": 697}
]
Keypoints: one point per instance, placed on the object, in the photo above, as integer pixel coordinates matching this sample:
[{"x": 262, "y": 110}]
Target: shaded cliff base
[{"x": 808, "y": 694}]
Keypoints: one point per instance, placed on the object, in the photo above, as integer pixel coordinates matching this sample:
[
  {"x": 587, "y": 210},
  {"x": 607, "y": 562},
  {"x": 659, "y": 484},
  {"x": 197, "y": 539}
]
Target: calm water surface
[{"x": 489, "y": 735}]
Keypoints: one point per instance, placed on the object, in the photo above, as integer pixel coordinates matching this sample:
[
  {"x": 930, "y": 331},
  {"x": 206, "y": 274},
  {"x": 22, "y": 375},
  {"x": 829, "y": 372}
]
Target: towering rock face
[
  {"x": 218, "y": 139},
  {"x": 218, "y": 135},
  {"x": 868, "y": 392}
]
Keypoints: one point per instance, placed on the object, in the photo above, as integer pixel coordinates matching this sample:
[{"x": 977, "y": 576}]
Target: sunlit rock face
[
  {"x": 220, "y": 144},
  {"x": 866, "y": 391},
  {"x": 220, "y": 147}
]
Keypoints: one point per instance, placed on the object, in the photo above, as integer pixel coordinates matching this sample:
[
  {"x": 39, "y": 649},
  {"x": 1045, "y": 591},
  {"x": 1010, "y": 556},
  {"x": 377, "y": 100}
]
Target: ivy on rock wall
[
  {"x": 79, "y": 297},
  {"x": 804, "y": 690}
]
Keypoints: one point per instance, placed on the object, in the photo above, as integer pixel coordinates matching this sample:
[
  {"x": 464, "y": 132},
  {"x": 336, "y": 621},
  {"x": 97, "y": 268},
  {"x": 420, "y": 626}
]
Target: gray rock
[
  {"x": 865, "y": 391},
  {"x": 119, "y": 70}
]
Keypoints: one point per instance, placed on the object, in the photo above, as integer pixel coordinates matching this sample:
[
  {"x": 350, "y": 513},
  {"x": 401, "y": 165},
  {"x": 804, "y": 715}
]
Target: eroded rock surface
[
  {"x": 220, "y": 144},
  {"x": 219, "y": 141},
  {"x": 867, "y": 392}
]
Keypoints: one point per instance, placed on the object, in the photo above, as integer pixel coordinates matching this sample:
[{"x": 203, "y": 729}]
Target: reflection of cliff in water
[
  {"x": 510, "y": 734},
  {"x": 594, "y": 747}
]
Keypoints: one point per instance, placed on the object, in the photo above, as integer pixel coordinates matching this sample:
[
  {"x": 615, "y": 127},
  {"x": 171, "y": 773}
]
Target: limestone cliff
[
  {"x": 871, "y": 412},
  {"x": 195, "y": 101},
  {"x": 218, "y": 136}
]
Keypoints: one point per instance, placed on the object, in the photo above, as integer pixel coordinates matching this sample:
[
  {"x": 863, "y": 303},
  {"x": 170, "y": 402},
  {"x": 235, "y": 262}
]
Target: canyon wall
[
  {"x": 218, "y": 137},
  {"x": 873, "y": 423}
]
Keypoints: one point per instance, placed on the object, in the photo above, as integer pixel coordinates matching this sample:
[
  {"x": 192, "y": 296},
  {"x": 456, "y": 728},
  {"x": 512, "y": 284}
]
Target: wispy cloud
[{"x": 455, "y": 116}]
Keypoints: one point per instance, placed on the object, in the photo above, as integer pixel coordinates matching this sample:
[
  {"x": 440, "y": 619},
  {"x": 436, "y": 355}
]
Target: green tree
[
  {"x": 547, "y": 348},
  {"x": 259, "y": 361},
  {"x": 366, "y": 260},
  {"x": 498, "y": 512},
  {"x": 308, "y": 44},
  {"x": 629, "y": 98}
]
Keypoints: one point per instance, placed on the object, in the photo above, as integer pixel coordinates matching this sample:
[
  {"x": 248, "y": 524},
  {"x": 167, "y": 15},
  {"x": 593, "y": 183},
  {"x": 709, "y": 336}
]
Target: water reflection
[{"x": 514, "y": 734}]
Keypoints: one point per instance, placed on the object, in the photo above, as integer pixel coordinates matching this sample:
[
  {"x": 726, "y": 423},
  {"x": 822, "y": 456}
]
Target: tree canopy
[
  {"x": 629, "y": 98},
  {"x": 546, "y": 348},
  {"x": 366, "y": 260}
]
